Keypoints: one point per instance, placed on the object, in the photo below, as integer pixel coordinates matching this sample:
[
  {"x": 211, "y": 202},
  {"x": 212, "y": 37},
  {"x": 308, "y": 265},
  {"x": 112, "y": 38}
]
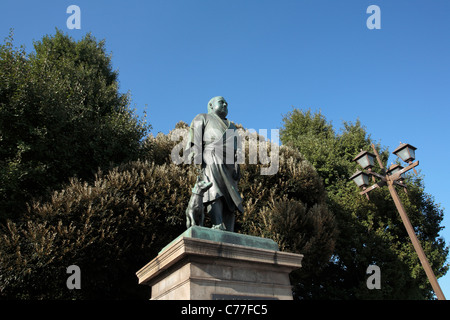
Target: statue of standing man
[{"x": 211, "y": 136}]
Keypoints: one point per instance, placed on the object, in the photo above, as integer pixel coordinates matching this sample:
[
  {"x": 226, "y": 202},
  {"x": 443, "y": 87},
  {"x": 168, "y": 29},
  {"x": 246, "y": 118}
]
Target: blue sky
[{"x": 267, "y": 56}]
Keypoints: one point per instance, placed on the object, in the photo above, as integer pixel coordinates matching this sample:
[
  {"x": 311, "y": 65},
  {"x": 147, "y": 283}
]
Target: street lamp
[
  {"x": 395, "y": 168},
  {"x": 360, "y": 178},
  {"x": 406, "y": 152},
  {"x": 393, "y": 176},
  {"x": 365, "y": 159}
]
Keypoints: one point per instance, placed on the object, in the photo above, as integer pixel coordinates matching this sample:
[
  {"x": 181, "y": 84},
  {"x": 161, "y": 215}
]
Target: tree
[
  {"x": 61, "y": 115},
  {"x": 370, "y": 232}
]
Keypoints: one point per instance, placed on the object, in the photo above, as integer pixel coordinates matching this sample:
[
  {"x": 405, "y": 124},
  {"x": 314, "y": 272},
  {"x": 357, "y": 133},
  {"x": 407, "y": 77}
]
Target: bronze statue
[{"x": 213, "y": 142}]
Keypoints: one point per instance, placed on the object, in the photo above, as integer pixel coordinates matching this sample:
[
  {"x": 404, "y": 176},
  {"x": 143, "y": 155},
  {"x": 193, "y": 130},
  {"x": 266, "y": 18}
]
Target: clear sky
[{"x": 267, "y": 56}]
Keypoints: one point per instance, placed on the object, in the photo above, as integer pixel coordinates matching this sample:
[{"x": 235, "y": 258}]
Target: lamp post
[
  {"x": 406, "y": 152},
  {"x": 393, "y": 177}
]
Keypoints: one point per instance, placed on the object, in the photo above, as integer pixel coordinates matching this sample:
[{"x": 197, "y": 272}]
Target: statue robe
[{"x": 207, "y": 143}]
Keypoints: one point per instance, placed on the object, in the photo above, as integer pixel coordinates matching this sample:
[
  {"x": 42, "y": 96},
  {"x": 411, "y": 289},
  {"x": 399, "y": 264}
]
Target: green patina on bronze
[{"x": 216, "y": 235}]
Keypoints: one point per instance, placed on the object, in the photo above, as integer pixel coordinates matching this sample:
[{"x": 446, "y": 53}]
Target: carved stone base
[{"x": 194, "y": 267}]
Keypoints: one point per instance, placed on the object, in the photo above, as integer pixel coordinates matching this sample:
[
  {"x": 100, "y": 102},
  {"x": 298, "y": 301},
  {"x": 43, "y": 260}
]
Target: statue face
[{"x": 220, "y": 107}]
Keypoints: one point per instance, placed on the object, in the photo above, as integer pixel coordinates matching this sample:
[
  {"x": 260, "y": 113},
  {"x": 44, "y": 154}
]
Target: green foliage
[
  {"x": 330, "y": 153},
  {"x": 61, "y": 115},
  {"x": 370, "y": 232}
]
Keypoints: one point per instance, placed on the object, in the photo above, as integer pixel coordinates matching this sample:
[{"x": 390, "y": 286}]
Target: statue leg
[
  {"x": 215, "y": 210},
  {"x": 221, "y": 217},
  {"x": 228, "y": 218}
]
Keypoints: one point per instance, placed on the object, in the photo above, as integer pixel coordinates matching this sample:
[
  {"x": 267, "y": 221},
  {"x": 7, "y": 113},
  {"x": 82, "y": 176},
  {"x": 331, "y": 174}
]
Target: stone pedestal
[{"x": 206, "y": 264}]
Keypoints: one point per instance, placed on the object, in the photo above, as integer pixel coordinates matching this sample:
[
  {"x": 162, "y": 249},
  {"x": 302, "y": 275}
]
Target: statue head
[{"x": 219, "y": 106}]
